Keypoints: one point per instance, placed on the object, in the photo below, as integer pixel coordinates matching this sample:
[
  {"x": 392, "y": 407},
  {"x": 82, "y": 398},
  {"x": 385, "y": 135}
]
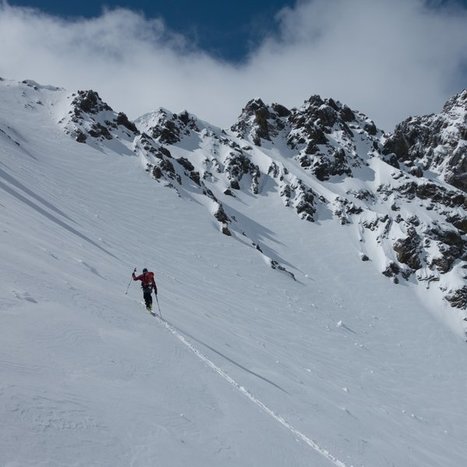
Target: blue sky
[
  {"x": 226, "y": 29},
  {"x": 387, "y": 58}
]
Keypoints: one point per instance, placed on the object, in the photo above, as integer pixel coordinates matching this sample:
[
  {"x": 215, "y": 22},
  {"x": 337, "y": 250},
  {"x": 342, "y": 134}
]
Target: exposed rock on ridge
[
  {"x": 434, "y": 142},
  {"x": 90, "y": 117},
  {"x": 334, "y": 163}
]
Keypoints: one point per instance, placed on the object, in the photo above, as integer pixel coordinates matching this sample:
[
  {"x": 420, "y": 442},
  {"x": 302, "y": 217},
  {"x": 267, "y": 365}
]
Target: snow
[{"x": 248, "y": 367}]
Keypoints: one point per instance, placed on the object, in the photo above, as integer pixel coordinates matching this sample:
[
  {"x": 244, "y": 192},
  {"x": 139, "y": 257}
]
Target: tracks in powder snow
[{"x": 313, "y": 444}]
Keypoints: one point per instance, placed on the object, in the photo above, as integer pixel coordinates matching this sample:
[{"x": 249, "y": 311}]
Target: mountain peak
[
  {"x": 436, "y": 143},
  {"x": 88, "y": 102},
  {"x": 259, "y": 121},
  {"x": 457, "y": 105},
  {"x": 89, "y": 117},
  {"x": 167, "y": 127}
]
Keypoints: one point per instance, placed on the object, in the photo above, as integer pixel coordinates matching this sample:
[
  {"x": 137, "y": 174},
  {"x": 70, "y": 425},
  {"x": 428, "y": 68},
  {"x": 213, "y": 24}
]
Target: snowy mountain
[
  {"x": 311, "y": 270},
  {"x": 323, "y": 160}
]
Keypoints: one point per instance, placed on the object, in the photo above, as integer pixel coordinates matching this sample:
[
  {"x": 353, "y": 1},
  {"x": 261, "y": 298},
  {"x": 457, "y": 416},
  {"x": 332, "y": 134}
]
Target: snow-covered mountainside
[
  {"x": 282, "y": 340},
  {"x": 323, "y": 160}
]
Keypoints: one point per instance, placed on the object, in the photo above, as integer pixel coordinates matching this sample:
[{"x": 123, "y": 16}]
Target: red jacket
[{"x": 147, "y": 280}]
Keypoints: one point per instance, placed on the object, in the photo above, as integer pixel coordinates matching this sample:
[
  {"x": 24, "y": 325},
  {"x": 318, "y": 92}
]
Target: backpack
[{"x": 147, "y": 281}]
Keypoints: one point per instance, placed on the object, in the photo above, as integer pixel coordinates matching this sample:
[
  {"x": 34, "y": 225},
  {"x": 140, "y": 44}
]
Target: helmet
[{"x": 145, "y": 270}]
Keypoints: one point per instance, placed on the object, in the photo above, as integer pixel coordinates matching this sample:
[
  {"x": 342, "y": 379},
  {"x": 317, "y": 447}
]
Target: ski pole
[
  {"x": 129, "y": 283},
  {"x": 158, "y": 306}
]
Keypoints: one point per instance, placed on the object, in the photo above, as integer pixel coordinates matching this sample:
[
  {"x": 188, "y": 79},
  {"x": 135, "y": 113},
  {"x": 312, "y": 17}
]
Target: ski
[{"x": 149, "y": 310}]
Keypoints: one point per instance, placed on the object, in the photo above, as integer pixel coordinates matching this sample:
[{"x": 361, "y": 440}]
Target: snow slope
[{"x": 249, "y": 367}]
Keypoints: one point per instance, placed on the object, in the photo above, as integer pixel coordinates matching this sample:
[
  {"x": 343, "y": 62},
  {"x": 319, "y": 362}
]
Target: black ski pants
[{"x": 147, "y": 296}]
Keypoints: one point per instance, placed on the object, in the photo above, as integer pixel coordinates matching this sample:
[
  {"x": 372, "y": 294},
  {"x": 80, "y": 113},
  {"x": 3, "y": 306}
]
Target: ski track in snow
[{"x": 313, "y": 444}]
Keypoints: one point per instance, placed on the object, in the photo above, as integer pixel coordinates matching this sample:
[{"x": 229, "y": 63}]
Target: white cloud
[{"x": 387, "y": 58}]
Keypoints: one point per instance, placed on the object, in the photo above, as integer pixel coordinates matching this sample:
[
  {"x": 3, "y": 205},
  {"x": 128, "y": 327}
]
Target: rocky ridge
[{"x": 403, "y": 193}]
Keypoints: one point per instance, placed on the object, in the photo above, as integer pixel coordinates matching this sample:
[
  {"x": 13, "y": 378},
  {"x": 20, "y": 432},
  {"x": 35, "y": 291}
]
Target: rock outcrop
[{"x": 436, "y": 143}]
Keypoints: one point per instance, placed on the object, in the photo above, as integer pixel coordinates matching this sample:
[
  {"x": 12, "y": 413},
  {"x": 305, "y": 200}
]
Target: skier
[{"x": 148, "y": 284}]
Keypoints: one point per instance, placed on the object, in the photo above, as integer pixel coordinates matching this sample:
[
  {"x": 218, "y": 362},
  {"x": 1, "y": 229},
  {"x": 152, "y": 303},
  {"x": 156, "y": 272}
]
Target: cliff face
[{"x": 436, "y": 143}]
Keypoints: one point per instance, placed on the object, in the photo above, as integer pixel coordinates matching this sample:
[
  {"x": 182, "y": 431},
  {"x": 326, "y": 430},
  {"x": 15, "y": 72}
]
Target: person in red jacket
[{"x": 148, "y": 284}]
